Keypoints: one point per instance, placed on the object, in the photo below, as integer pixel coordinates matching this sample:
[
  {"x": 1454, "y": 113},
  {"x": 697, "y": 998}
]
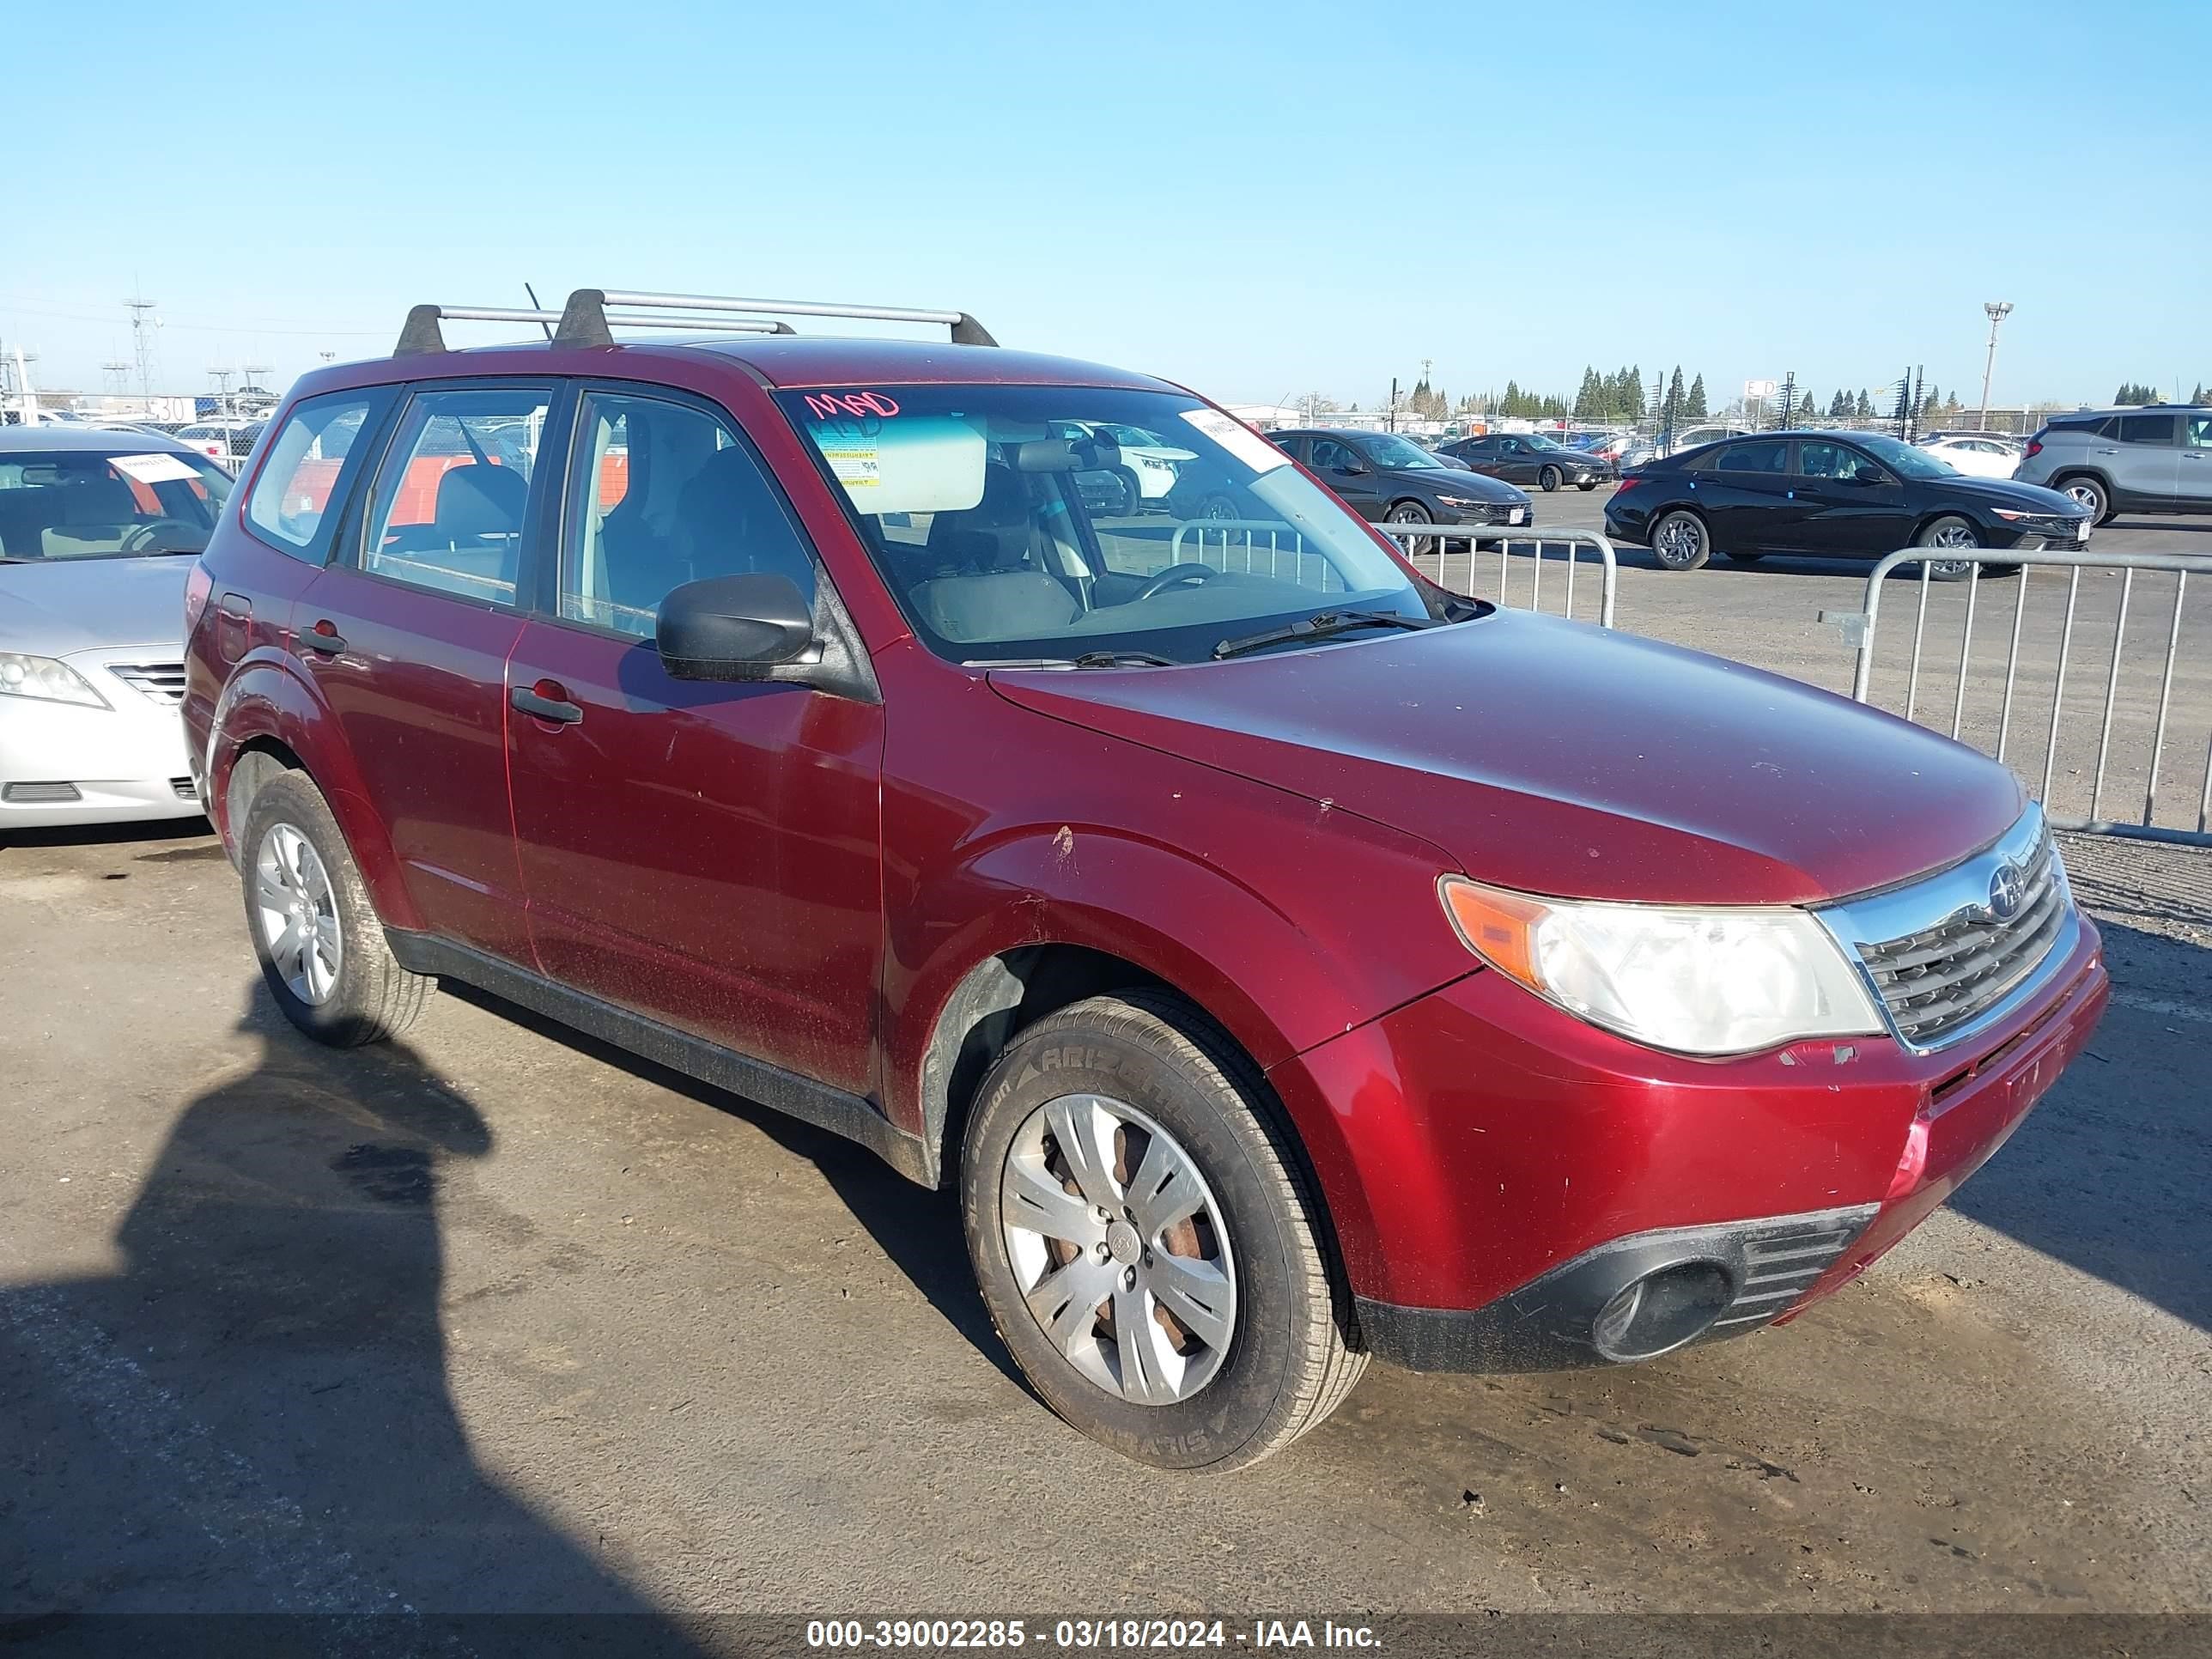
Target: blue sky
[{"x": 1259, "y": 200}]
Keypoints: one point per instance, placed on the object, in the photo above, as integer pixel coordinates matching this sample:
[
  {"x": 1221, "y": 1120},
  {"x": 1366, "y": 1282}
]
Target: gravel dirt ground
[{"x": 499, "y": 1319}]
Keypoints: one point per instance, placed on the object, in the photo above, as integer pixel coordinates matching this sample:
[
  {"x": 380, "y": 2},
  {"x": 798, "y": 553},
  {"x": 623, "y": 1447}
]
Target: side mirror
[
  {"x": 733, "y": 627},
  {"x": 1352, "y": 469},
  {"x": 1866, "y": 480}
]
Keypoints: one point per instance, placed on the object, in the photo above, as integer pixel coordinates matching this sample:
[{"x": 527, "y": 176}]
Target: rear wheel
[
  {"x": 1150, "y": 1249},
  {"x": 2091, "y": 495},
  {"x": 321, "y": 948},
  {"x": 1681, "y": 542},
  {"x": 1548, "y": 479},
  {"x": 1949, "y": 531}
]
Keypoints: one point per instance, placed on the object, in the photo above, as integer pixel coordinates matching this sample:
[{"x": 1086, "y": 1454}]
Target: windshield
[
  {"x": 1904, "y": 458},
  {"x": 1401, "y": 455},
  {"x": 1538, "y": 441},
  {"x": 1003, "y": 538},
  {"x": 105, "y": 504}
]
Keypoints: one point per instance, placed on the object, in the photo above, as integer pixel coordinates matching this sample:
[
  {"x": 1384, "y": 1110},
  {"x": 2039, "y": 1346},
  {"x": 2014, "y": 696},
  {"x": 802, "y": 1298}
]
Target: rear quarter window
[{"x": 301, "y": 487}]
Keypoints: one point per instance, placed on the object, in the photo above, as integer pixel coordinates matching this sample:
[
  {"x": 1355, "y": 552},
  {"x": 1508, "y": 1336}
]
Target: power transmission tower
[
  {"x": 142, "y": 325},
  {"x": 119, "y": 376}
]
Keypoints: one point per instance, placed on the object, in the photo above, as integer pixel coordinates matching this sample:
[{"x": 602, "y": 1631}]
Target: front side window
[
  {"x": 976, "y": 516},
  {"x": 300, "y": 483},
  {"x": 1330, "y": 456},
  {"x": 1829, "y": 460},
  {"x": 453, "y": 491},
  {"x": 2147, "y": 428},
  {"x": 118, "y": 503},
  {"x": 2197, "y": 434},
  {"x": 665, "y": 494}
]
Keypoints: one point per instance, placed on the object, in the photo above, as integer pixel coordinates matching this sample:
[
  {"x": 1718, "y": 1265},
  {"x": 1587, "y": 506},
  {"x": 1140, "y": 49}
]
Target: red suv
[{"x": 1289, "y": 961}]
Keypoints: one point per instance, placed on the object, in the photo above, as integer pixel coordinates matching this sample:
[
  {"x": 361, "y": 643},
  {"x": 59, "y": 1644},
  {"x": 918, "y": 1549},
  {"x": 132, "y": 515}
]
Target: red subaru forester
[{"x": 1024, "y": 768}]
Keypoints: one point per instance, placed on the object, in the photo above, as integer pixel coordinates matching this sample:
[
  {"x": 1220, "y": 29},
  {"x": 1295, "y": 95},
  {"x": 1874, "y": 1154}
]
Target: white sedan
[{"x": 1978, "y": 458}]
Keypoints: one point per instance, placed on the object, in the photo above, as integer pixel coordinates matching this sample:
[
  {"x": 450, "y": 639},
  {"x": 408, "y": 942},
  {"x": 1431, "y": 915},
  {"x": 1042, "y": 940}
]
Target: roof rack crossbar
[
  {"x": 422, "y": 335},
  {"x": 585, "y": 322}
]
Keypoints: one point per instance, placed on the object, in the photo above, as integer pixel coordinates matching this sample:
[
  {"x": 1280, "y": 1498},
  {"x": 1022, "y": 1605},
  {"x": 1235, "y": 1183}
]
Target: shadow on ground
[{"x": 251, "y": 1414}]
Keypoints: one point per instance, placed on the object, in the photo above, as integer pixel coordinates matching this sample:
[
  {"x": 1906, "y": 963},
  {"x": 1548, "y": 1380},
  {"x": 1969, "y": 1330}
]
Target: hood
[
  {"x": 1562, "y": 759},
  {"x": 2004, "y": 492},
  {"x": 50, "y": 608},
  {"x": 1455, "y": 481}
]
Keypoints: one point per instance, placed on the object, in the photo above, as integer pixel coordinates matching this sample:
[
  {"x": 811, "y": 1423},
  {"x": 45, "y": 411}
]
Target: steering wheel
[
  {"x": 1171, "y": 576},
  {"x": 153, "y": 534}
]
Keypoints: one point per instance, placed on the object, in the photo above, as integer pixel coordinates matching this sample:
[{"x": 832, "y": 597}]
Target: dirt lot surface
[{"x": 501, "y": 1320}]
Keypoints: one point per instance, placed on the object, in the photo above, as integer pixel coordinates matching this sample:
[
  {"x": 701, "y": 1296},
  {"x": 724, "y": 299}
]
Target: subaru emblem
[{"x": 2007, "y": 886}]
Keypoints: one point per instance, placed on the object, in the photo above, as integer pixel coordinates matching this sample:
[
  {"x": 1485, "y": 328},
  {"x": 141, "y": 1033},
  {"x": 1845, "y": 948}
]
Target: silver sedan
[{"x": 98, "y": 532}]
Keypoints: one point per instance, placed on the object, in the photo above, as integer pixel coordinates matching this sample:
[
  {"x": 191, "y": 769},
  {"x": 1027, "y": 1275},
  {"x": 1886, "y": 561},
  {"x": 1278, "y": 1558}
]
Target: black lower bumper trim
[{"x": 1550, "y": 1323}]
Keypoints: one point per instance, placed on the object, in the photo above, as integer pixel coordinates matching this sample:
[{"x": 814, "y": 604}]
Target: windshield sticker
[
  {"x": 856, "y": 461},
  {"x": 152, "y": 469},
  {"x": 1239, "y": 440},
  {"x": 828, "y": 405}
]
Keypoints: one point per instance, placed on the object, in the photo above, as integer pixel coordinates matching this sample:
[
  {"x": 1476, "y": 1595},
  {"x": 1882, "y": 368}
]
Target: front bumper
[
  {"x": 1499, "y": 515},
  {"x": 1503, "y": 1173},
  {"x": 66, "y": 764}
]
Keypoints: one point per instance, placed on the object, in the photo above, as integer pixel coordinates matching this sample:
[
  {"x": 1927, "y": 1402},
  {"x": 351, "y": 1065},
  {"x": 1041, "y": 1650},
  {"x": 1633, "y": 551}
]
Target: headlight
[
  {"x": 45, "y": 679},
  {"x": 1461, "y": 500},
  {"x": 1695, "y": 981}
]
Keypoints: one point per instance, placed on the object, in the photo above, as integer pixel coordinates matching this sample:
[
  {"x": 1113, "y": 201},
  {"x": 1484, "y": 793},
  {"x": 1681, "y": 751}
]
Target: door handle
[
  {"x": 325, "y": 637},
  {"x": 546, "y": 700}
]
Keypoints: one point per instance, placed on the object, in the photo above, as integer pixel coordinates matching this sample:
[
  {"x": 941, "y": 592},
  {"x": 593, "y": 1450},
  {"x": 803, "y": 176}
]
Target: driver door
[
  {"x": 705, "y": 855},
  {"x": 1336, "y": 465},
  {"x": 1849, "y": 504}
]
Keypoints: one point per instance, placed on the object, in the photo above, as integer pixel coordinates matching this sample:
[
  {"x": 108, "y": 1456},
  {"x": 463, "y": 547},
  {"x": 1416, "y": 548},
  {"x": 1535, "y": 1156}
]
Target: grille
[
  {"x": 39, "y": 795},
  {"x": 183, "y": 790},
  {"x": 1937, "y": 980},
  {"x": 1782, "y": 1261},
  {"x": 164, "y": 682},
  {"x": 1499, "y": 512}
]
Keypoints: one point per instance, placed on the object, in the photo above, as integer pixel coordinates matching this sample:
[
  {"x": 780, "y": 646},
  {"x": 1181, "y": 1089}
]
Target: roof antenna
[{"x": 534, "y": 306}]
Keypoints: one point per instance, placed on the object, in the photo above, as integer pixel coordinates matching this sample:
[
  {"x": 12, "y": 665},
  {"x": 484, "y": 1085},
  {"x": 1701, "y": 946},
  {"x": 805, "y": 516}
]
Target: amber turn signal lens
[{"x": 1498, "y": 926}]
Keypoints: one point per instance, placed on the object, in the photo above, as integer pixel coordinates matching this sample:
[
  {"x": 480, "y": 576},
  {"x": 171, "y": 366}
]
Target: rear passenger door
[
  {"x": 2148, "y": 464},
  {"x": 704, "y": 854},
  {"x": 407, "y": 637},
  {"x": 1746, "y": 494}
]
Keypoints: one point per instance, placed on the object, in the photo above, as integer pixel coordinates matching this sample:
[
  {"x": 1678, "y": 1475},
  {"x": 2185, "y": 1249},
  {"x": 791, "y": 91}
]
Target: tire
[
  {"x": 1743, "y": 555},
  {"x": 1587, "y": 486},
  {"x": 349, "y": 990},
  {"x": 1548, "y": 479},
  {"x": 1680, "y": 540},
  {"x": 2092, "y": 493},
  {"x": 1951, "y": 532},
  {"x": 1132, "y": 493},
  {"x": 1148, "y": 1080},
  {"x": 1413, "y": 512}
]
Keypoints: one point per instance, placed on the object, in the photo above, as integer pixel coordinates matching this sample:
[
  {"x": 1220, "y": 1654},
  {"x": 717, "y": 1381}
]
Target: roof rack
[
  {"x": 421, "y": 336},
  {"x": 585, "y": 322}
]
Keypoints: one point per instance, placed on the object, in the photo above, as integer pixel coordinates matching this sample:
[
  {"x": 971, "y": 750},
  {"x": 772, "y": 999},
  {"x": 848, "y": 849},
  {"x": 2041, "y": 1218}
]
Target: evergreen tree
[
  {"x": 1865, "y": 410},
  {"x": 2131, "y": 393},
  {"x": 1631, "y": 404},
  {"x": 1808, "y": 412},
  {"x": 2197, "y": 396},
  {"x": 1589, "y": 399},
  {"x": 1695, "y": 408},
  {"x": 1673, "y": 407}
]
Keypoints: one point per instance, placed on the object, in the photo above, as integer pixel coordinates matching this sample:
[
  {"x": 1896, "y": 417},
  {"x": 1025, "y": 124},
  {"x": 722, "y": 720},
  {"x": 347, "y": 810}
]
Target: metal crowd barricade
[
  {"x": 1860, "y": 630},
  {"x": 1264, "y": 546}
]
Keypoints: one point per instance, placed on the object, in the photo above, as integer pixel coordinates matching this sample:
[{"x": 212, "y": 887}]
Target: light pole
[{"x": 1998, "y": 311}]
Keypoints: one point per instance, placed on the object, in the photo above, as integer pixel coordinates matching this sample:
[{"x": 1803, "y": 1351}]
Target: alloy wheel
[
  {"x": 1119, "y": 1248},
  {"x": 1681, "y": 539},
  {"x": 299, "y": 914}
]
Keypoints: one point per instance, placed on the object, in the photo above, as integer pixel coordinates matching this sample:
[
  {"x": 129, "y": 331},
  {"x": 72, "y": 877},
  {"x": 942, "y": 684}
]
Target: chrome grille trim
[
  {"x": 164, "y": 682},
  {"x": 1941, "y": 962}
]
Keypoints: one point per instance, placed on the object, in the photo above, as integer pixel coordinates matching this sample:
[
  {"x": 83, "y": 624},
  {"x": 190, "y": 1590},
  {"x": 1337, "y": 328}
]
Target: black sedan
[
  {"x": 1393, "y": 480},
  {"x": 1530, "y": 458},
  {"x": 1840, "y": 495}
]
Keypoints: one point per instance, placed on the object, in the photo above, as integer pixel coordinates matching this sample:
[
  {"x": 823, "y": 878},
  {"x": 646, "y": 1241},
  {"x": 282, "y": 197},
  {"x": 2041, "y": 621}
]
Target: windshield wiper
[
  {"x": 1320, "y": 626},
  {"x": 1088, "y": 659}
]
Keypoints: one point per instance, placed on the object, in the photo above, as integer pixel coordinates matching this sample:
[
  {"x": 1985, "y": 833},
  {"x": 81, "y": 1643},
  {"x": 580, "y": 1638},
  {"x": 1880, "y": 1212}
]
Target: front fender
[{"x": 269, "y": 697}]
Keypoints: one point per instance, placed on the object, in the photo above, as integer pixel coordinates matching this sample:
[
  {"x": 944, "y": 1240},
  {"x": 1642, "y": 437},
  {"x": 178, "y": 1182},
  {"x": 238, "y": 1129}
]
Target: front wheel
[
  {"x": 1548, "y": 479},
  {"x": 1587, "y": 485},
  {"x": 1949, "y": 532},
  {"x": 322, "y": 950},
  {"x": 1680, "y": 540},
  {"x": 1150, "y": 1250},
  {"x": 1413, "y": 512}
]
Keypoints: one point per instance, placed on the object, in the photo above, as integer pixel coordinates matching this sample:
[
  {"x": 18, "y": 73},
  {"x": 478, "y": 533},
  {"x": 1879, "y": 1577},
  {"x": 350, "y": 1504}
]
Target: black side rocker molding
[{"x": 850, "y": 1115}]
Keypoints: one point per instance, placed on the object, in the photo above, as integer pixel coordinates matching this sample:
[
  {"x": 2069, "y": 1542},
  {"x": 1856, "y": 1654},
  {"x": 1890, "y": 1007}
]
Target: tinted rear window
[{"x": 1768, "y": 455}]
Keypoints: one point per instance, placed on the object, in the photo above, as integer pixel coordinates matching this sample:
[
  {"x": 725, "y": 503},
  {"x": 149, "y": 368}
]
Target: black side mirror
[
  {"x": 1352, "y": 469},
  {"x": 733, "y": 627}
]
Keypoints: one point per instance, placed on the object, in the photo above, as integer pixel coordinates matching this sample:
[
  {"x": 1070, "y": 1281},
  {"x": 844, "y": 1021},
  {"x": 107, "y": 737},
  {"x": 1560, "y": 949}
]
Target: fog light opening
[{"x": 1662, "y": 1311}]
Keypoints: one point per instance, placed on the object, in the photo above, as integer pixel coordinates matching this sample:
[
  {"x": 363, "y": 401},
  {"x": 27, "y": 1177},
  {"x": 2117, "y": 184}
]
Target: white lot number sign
[{"x": 1759, "y": 388}]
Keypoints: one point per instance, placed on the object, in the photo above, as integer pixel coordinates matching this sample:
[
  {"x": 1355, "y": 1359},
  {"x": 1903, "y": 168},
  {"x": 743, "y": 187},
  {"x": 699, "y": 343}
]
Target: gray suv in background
[{"x": 2155, "y": 459}]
